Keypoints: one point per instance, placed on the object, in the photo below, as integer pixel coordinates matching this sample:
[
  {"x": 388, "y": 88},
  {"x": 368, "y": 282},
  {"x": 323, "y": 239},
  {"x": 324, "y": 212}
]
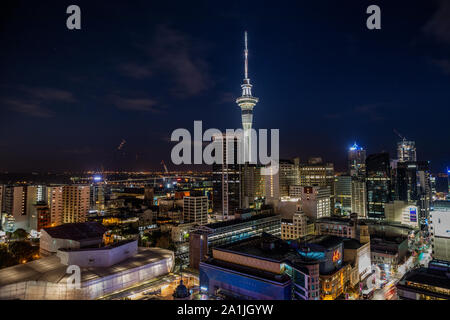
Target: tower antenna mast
[{"x": 246, "y": 57}]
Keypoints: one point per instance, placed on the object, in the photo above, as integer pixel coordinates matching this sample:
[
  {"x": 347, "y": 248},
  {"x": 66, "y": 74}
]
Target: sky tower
[{"x": 246, "y": 102}]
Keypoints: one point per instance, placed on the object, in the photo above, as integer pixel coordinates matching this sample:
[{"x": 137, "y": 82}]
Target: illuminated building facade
[
  {"x": 317, "y": 173},
  {"x": 337, "y": 226},
  {"x": 343, "y": 195},
  {"x": 378, "y": 184},
  {"x": 204, "y": 238},
  {"x": 297, "y": 227},
  {"x": 406, "y": 151},
  {"x": 248, "y": 269},
  {"x": 264, "y": 268},
  {"x": 356, "y": 161},
  {"x": 316, "y": 202},
  {"x": 289, "y": 175},
  {"x": 195, "y": 209},
  {"x": 440, "y": 230},
  {"x": 432, "y": 283},
  {"x": 359, "y": 196},
  {"x": 115, "y": 268},
  {"x": 402, "y": 212},
  {"x": 227, "y": 186}
]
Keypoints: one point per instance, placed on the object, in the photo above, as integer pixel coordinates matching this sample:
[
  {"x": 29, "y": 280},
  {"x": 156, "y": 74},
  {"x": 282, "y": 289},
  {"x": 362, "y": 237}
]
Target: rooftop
[
  {"x": 232, "y": 222},
  {"x": 428, "y": 276},
  {"x": 325, "y": 241},
  {"x": 50, "y": 269},
  {"x": 266, "y": 247},
  {"x": 265, "y": 275},
  {"x": 77, "y": 231},
  {"x": 352, "y": 244}
]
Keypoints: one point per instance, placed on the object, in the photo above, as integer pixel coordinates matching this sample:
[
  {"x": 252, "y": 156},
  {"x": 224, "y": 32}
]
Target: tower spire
[
  {"x": 246, "y": 57},
  {"x": 246, "y": 102}
]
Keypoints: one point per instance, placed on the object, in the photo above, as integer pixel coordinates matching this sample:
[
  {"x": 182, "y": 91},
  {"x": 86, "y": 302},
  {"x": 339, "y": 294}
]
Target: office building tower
[
  {"x": 412, "y": 181},
  {"x": 253, "y": 189},
  {"x": 406, "y": 151},
  {"x": 68, "y": 203},
  {"x": 440, "y": 230},
  {"x": 195, "y": 209},
  {"x": 43, "y": 215},
  {"x": 97, "y": 197},
  {"x": 359, "y": 197},
  {"x": 227, "y": 192},
  {"x": 317, "y": 173},
  {"x": 246, "y": 103},
  {"x": 343, "y": 195},
  {"x": 75, "y": 203},
  {"x": 55, "y": 204},
  {"x": 378, "y": 184},
  {"x": 356, "y": 161},
  {"x": 18, "y": 203},
  {"x": 272, "y": 186},
  {"x": 316, "y": 201},
  {"x": 289, "y": 175}
]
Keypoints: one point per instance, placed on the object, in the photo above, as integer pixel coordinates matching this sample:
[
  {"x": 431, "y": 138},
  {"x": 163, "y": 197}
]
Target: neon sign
[{"x": 336, "y": 255}]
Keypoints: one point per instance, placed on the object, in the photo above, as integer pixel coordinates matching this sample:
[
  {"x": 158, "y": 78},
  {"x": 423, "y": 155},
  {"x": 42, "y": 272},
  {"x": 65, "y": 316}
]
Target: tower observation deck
[{"x": 247, "y": 102}]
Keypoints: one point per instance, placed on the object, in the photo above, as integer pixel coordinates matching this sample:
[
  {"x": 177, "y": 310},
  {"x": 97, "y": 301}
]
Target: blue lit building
[{"x": 263, "y": 268}]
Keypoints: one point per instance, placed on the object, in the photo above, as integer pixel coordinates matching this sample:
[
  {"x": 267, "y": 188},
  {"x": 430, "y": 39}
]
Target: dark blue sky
[{"x": 140, "y": 69}]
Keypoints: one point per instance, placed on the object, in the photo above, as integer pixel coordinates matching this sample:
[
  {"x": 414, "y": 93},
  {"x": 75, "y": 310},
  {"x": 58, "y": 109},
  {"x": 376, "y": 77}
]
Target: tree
[
  {"x": 19, "y": 234},
  {"x": 6, "y": 258},
  {"x": 23, "y": 251}
]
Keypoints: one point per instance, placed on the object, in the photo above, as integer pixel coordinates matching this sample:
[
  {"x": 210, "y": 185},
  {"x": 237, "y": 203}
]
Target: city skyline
[{"x": 73, "y": 102}]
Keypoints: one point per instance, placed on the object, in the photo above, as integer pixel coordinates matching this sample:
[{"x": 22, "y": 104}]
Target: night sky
[{"x": 137, "y": 70}]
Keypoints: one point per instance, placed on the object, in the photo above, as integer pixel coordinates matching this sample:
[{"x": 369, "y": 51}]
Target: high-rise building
[
  {"x": 378, "y": 184},
  {"x": 316, "y": 202},
  {"x": 412, "y": 181},
  {"x": 343, "y": 195},
  {"x": 18, "y": 203},
  {"x": 406, "y": 151},
  {"x": 75, "y": 203},
  {"x": 227, "y": 192},
  {"x": 247, "y": 102},
  {"x": 359, "y": 196},
  {"x": 252, "y": 186},
  {"x": 195, "y": 209},
  {"x": 43, "y": 215},
  {"x": 55, "y": 204},
  {"x": 440, "y": 230},
  {"x": 317, "y": 173},
  {"x": 289, "y": 175},
  {"x": 68, "y": 203},
  {"x": 272, "y": 186},
  {"x": 356, "y": 161}
]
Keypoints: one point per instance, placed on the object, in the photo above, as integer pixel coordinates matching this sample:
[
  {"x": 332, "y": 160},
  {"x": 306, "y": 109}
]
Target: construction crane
[
  {"x": 165, "y": 167},
  {"x": 401, "y": 137}
]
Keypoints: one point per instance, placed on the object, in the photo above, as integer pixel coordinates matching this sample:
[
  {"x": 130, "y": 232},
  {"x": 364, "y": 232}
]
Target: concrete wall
[
  {"x": 104, "y": 257},
  {"x": 49, "y": 245}
]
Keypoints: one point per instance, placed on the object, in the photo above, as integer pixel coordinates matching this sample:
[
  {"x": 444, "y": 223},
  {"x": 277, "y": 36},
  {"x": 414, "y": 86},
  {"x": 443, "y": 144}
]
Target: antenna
[{"x": 246, "y": 57}]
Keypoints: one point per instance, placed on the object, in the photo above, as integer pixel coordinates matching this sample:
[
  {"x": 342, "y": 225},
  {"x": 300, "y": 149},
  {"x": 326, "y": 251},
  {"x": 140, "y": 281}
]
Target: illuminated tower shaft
[{"x": 246, "y": 102}]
